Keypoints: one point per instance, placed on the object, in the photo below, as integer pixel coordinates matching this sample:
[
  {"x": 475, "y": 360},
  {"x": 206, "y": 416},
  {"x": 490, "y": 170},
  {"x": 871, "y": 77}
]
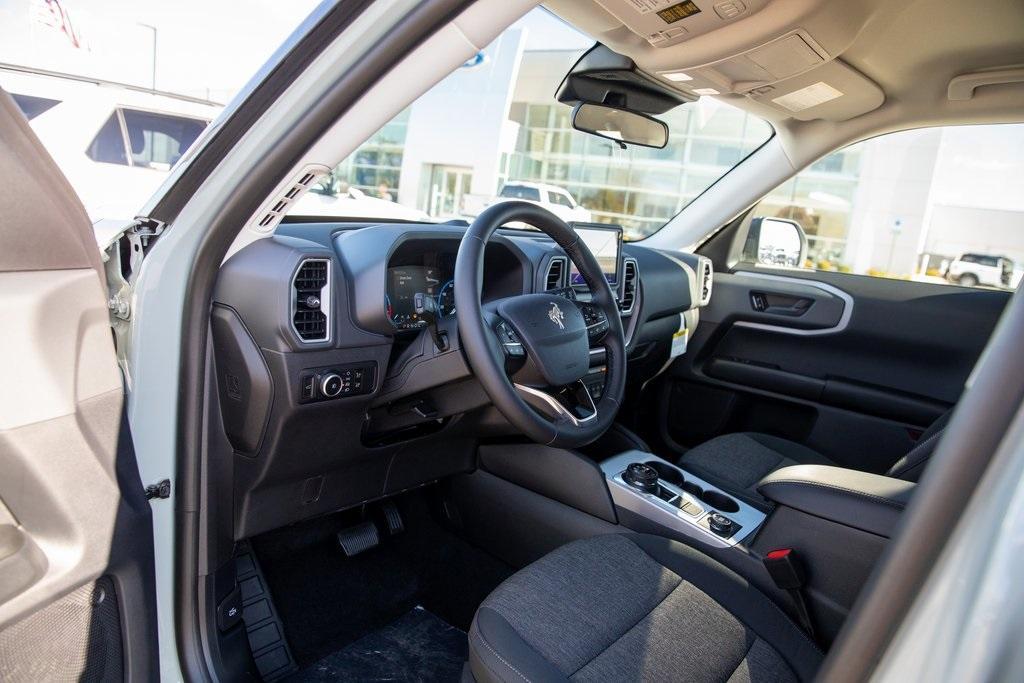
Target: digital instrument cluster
[{"x": 432, "y": 279}]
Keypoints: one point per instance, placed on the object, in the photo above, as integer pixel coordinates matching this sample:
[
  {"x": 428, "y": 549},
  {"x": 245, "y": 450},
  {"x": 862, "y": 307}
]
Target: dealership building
[{"x": 896, "y": 205}]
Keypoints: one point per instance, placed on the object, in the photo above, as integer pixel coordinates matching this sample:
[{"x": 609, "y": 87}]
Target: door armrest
[{"x": 869, "y": 502}]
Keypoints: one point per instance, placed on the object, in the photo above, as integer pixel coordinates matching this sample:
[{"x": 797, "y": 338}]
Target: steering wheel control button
[
  {"x": 721, "y": 525},
  {"x": 641, "y": 477},
  {"x": 510, "y": 340}
]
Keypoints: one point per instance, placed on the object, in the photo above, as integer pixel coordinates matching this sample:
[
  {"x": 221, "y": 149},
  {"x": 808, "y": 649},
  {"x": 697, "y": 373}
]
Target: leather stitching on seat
[
  {"x": 857, "y": 494},
  {"x": 904, "y": 466},
  {"x": 480, "y": 637}
]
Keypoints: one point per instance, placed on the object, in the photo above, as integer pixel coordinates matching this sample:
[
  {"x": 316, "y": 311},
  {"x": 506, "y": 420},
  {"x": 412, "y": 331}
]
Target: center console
[{"x": 670, "y": 497}]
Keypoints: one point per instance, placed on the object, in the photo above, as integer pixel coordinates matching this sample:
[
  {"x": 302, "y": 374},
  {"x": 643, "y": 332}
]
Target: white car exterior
[
  {"x": 981, "y": 269},
  {"x": 553, "y": 198},
  {"x": 114, "y": 143}
]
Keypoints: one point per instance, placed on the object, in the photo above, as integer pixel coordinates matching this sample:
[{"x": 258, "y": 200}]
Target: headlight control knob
[{"x": 330, "y": 384}]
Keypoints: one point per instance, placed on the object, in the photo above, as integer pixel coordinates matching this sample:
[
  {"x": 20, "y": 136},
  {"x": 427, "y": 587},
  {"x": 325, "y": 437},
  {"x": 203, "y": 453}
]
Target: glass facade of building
[
  {"x": 378, "y": 161},
  {"x": 639, "y": 188}
]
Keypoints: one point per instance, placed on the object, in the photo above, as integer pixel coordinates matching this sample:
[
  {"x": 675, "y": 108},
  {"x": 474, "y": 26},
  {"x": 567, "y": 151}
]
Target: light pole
[{"x": 153, "y": 29}]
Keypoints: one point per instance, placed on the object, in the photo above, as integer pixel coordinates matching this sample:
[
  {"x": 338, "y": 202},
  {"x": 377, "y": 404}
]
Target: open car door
[{"x": 77, "y": 595}]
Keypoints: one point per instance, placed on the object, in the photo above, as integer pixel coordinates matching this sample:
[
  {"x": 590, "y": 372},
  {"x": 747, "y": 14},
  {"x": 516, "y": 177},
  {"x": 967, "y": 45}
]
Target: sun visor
[{"x": 833, "y": 92}]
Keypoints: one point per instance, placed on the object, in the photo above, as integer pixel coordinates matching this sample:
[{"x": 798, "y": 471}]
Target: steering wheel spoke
[{"x": 572, "y": 404}]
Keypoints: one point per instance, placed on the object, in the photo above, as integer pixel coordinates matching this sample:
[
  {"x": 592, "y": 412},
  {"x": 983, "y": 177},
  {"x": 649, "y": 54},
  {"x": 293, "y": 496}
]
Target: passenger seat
[{"x": 737, "y": 462}]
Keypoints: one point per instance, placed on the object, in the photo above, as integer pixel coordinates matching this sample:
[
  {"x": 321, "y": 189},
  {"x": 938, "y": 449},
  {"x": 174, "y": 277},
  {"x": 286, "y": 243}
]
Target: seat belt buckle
[
  {"x": 785, "y": 569},
  {"x": 788, "y": 574}
]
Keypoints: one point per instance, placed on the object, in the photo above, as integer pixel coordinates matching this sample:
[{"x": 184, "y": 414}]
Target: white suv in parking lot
[
  {"x": 972, "y": 270},
  {"x": 553, "y": 198}
]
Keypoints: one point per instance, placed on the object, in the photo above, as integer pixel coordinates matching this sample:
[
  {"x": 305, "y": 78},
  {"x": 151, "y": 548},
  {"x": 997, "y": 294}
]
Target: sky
[{"x": 204, "y": 48}]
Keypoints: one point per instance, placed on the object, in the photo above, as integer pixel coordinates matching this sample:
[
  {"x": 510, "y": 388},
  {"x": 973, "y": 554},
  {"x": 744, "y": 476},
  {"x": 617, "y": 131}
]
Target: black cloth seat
[
  {"x": 633, "y": 607},
  {"x": 737, "y": 462}
]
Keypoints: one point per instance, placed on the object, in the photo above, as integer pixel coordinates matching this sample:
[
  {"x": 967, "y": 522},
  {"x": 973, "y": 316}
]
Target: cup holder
[
  {"x": 720, "y": 501},
  {"x": 668, "y": 473},
  {"x": 672, "y": 475}
]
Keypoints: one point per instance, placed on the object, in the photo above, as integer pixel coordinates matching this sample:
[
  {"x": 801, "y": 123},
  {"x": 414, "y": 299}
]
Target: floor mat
[
  {"x": 327, "y": 600},
  {"x": 417, "y": 646}
]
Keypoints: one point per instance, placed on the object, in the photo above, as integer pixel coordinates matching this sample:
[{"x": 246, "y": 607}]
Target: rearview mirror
[
  {"x": 624, "y": 127},
  {"x": 775, "y": 242}
]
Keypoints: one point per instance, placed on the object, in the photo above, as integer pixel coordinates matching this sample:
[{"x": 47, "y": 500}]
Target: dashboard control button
[
  {"x": 641, "y": 476},
  {"x": 720, "y": 524},
  {"x": 331, "y": 384},
  {"x": 307, "y": 387}
]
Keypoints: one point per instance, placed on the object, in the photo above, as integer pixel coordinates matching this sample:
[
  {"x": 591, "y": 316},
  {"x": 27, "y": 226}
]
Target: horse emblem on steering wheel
[{"x": 556, "y": 315}]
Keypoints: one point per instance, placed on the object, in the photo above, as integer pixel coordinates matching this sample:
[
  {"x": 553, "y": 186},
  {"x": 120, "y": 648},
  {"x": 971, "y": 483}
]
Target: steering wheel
[{"x": 531, "y": 352}]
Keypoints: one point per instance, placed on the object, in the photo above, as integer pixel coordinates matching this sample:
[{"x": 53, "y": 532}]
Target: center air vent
[
  {"x": 311, "y": 300},
  {"x": 706, "y": 277},
  {"x": 555, "y": 278},
  {"x": 629, "y": 282}
]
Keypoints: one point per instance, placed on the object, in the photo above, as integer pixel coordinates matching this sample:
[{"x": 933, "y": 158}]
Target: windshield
[{"x": 493, "y": 131}]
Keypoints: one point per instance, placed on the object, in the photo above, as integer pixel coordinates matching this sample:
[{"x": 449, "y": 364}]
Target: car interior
[{"x": 478, "y": 452}]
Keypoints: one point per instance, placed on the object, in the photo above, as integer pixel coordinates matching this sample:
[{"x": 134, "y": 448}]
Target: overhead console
[{"x": 783, "y": 55}]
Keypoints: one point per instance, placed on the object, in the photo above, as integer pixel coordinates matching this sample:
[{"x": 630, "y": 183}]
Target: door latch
[{"x": 161, "y": 490}]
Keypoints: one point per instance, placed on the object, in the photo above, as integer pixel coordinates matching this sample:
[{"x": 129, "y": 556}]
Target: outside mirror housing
[
  {"x": 620, "y": 125},
  {"x": 775, "y": 242}
]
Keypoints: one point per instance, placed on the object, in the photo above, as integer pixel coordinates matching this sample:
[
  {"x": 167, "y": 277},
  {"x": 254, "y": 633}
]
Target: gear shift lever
[{"x": 642, "y": 477}]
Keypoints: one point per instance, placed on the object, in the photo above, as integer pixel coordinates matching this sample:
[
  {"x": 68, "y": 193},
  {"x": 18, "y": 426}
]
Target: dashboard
[{"x": 332, "y": 387}]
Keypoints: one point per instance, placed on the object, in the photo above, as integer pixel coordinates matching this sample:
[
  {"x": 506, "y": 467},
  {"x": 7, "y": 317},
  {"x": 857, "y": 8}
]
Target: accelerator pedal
[
  {"x": 359, "y": 538},
  {"x": 392, "y": 517}
]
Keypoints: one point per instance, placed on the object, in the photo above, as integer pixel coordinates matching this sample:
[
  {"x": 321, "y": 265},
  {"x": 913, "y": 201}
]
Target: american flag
[{"x": 52, "y": 14}]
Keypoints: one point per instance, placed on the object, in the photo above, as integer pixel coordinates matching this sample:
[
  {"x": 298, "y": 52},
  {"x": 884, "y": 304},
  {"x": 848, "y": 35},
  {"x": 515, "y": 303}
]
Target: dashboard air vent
[
  {"x": 555, "y": 278},
  {"x": 311, "y": 300},
  {"x": 629, "y": 282},
  {"x": 706, "y": 276}
]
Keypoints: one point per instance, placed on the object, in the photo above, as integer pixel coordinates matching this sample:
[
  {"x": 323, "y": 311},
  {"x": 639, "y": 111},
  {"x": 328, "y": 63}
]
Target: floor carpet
[
  {"x": 327, "y": 600},
  {"x": 417, "y": 646}
]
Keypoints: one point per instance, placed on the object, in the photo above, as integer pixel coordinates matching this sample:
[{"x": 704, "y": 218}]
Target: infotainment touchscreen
[{"x": 605, "y": 242}]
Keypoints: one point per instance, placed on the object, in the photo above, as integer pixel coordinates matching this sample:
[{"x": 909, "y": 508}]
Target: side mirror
[
  {"x": 620, "y": 125},
  {"x": 775, "y": 242}
]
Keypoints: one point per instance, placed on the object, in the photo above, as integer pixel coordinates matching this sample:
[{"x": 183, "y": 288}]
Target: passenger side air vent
[
  {"x": 706, "y": 276},
  {"x": 272, "y": 212},
  {"x": 555, "y": 278},
  {"x": 629, "y": 283},
  {"x": 311, "y": 300}
]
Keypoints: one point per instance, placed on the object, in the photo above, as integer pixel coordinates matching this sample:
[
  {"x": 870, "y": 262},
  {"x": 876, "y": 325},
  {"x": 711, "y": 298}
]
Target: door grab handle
[{"x": 780, "y": 304}]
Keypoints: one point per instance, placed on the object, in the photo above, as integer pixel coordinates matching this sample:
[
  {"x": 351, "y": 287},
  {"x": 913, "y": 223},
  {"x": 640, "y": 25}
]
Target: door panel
[
  {"x": 855, "y": 367},
  {"x": 76, "y": 545}
]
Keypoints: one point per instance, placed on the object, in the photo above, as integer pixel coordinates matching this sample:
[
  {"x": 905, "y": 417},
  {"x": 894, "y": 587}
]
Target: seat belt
[{"x": 788, "y": 575}]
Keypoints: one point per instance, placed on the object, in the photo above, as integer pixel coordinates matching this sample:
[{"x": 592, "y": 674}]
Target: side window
[
  {"x": 159, "y": 140},
  {"x": 32, "y": 106},
  {"x": 942, "y": 205},
  {"x": 560, "y": 199},
  {"x": 108, "y": 145}
]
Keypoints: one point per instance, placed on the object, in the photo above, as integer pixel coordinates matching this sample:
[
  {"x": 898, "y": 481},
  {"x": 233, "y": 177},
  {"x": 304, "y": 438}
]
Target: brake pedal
[
  {"x": 392, "y": 517},
  {"x": 359, "y": 538}
]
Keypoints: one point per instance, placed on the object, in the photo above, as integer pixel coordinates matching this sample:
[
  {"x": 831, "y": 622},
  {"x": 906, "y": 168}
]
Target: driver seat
[{"x": 631, "y": 607}]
